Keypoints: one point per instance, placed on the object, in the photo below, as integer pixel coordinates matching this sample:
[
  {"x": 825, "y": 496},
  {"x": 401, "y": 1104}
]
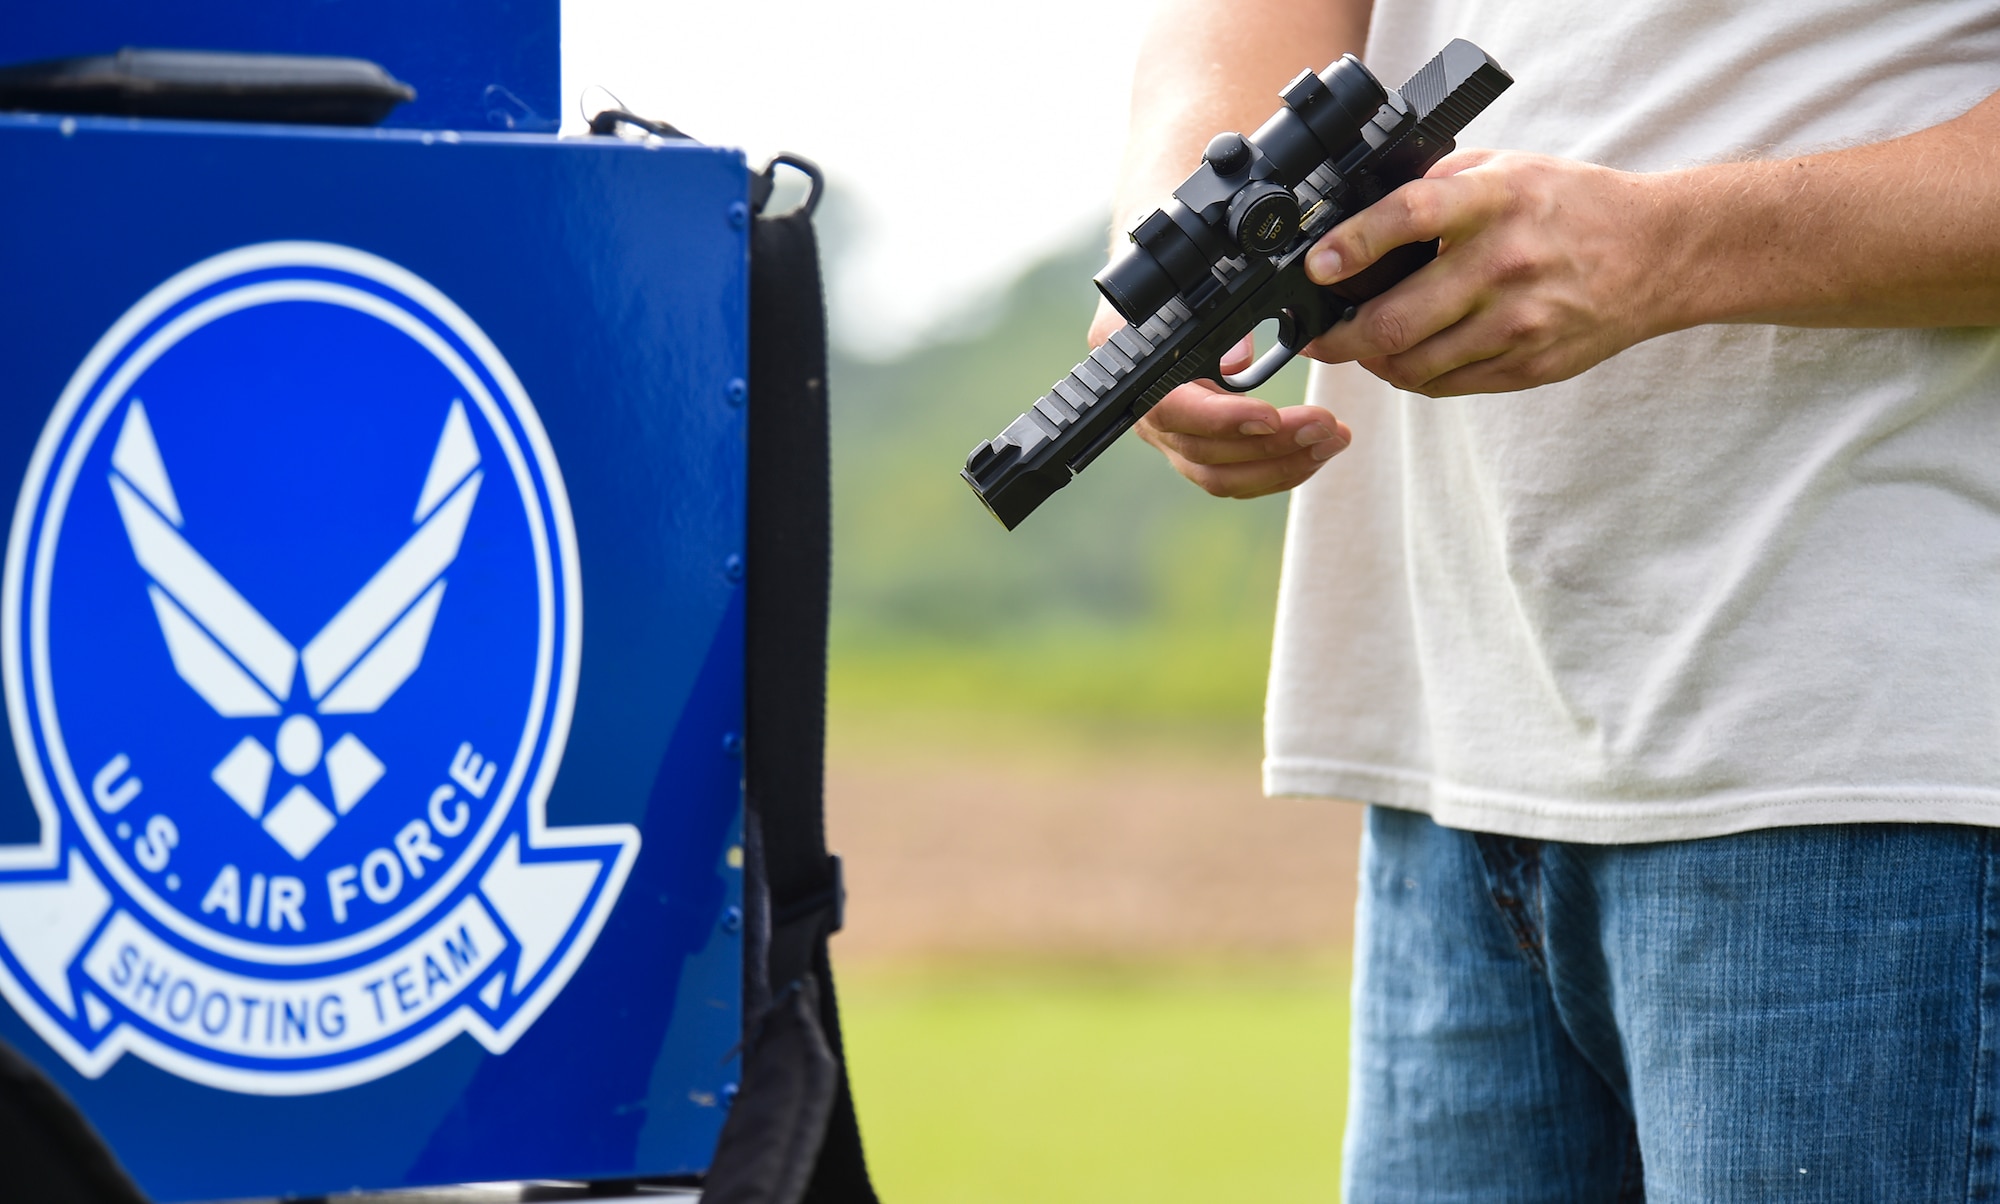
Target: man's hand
[
  {"x": 1546, "y": 267},
  {"x": 1230, "y": 444}
]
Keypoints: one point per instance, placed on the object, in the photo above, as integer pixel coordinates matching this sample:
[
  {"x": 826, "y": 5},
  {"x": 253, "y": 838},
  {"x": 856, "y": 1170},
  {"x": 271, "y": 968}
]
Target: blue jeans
[{"x": 1800, "y": 1014}]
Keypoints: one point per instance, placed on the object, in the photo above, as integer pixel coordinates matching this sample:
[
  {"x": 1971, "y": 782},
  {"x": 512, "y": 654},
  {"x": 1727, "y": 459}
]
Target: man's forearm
[
  {"x": 1897, "y": 233},
  {"x": 1213, "y": 65}
]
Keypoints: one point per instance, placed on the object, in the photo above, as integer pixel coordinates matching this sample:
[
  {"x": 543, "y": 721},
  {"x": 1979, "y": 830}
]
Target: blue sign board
[{"x": 371, "y": 630}]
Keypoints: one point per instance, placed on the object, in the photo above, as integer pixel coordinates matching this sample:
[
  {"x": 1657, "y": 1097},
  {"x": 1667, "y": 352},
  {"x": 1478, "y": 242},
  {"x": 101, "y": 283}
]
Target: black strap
[
  {"x": 48, "y": 1151},
  {"x": 789, "y": 555},
  {"x": 771, "y": 1144}
]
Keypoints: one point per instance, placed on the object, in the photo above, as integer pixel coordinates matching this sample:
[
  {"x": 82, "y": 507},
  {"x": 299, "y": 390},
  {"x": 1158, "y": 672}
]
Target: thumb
[
  {"x": 1237, "y": 358},
  {"x": 1104, "y": 323}
]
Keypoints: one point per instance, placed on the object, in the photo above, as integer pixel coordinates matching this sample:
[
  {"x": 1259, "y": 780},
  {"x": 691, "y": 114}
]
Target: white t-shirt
[{"x": 1736, "y": 577}]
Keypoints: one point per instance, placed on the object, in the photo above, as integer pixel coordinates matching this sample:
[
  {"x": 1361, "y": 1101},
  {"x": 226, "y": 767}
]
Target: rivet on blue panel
[
  {"x": 732, "y": 919},
  {"x": 732, "y": 568},
  {"x": 739, "y": 214},
  {"x": 738, "y": 390},
  {"x": 732, "y": 744}
]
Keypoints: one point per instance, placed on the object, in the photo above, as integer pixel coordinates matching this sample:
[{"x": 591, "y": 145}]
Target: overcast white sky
[{"x": 970, "y": 138}]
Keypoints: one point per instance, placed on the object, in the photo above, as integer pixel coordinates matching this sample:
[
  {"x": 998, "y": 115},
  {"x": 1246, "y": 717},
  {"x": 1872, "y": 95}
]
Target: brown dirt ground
[{"x": 1140, "y": 850}]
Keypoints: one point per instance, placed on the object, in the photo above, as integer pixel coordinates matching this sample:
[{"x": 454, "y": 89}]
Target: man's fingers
[
  {"x": 1204, "y": 410},
  {"x": 1418, "y": 211},
  {"x": 1250, "y": 480},
  {"x": 1425, "y": 370},
  {"x": 1323, "y": 437},
  {"x": 1496, "y": 348},
  {"x": 1432, "y": 299},
  {"x": 1294, "y": 428},
  {"x": 1515, "y": 366},
  {"x": 1482, "y": 376},
  {"x": 1103, "y": 324},
  {"x": 1237, "y": 358}
]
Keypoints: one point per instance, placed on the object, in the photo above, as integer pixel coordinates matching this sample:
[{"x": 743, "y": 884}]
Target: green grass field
[{"x": 998, "y": 1084}]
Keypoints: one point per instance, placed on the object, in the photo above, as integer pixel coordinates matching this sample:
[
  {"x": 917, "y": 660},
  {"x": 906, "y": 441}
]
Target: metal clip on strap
[{"x": 765, "y": 181}]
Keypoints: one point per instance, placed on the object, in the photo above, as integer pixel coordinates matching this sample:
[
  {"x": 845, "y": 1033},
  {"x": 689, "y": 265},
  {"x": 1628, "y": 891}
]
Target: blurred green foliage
[
  {"x": 1131, "y": 592},
  {"x": 1000, "y": 1084}
]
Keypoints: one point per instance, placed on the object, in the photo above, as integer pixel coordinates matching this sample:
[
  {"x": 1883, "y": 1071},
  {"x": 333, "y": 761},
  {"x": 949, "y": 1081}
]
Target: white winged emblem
[{"x": 243, "y": 668}]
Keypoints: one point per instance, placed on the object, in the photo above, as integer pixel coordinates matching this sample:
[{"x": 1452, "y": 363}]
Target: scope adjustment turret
[
  {"x": 1227, "y": 154},
  {"x": 1263, "y": 217}
]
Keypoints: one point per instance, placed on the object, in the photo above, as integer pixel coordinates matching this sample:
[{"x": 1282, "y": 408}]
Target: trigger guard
[{"x": 1268, "y": 364}]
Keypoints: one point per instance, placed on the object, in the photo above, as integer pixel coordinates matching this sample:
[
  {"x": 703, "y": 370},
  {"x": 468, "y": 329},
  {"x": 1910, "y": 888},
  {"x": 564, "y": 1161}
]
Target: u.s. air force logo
[{"x": 292, "y": 622}]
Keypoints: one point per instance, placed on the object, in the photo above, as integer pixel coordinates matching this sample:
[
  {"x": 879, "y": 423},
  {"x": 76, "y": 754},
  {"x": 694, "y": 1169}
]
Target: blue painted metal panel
[
  {"x": 337, "y": 452},
  {"x": 476, "y": 64}
]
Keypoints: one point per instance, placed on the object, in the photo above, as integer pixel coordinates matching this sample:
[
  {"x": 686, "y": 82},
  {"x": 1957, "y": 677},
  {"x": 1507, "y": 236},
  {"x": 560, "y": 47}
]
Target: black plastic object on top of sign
[
  {"x": 476, "y": 64},
  {"x": 211, "y": 85}
]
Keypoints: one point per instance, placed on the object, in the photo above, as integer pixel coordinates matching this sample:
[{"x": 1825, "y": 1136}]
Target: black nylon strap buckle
[{"x": 831, "y": 900}]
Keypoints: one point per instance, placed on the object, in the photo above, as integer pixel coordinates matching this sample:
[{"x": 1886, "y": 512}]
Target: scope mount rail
[{"x": 1180, "y": 322}]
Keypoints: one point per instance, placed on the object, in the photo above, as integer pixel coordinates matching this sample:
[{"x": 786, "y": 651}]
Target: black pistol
[{"x": 1228, "y": 252}]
